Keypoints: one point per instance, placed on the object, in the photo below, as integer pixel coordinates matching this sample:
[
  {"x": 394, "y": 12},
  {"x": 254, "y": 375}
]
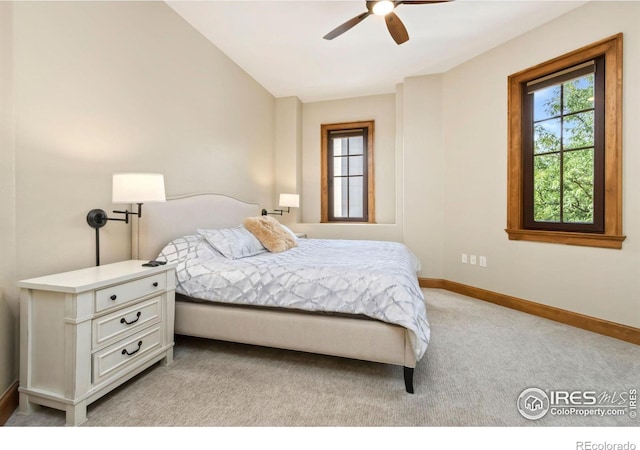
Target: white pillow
[
  {"x": 179, "y": 248},
  {"x": 186, "y": 247},
  {"x": 233, "y": 243},
  {"x": 293, "y": 235}
]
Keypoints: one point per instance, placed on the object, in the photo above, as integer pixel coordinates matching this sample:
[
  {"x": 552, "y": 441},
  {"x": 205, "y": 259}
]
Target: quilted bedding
[{"x": 372, "y": 278}]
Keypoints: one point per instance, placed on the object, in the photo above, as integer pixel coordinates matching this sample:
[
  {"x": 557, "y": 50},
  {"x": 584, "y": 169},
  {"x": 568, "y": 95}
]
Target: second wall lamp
[{"x": 286, "y": 200}]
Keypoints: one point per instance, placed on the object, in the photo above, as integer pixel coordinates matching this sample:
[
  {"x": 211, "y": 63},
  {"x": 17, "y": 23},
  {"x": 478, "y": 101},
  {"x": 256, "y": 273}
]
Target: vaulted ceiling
[{"x": 281, "y": 45}]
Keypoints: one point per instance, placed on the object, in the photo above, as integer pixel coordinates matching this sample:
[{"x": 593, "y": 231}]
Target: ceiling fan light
[{"x": 382, "y": 8}]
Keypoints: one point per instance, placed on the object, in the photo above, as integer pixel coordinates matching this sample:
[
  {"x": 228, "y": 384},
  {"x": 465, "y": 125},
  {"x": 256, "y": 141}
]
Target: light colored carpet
[{"x": 480, "y": 358}]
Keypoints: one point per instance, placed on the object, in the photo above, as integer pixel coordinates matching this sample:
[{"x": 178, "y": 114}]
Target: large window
[
  {"x": 565, "y": 156},
  {"x": 347, "y": 172},
  {"x": 563, "y": 149}
]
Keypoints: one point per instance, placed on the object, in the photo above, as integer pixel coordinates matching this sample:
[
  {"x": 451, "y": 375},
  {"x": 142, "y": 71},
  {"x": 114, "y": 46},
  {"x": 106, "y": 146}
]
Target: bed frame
[{"x": 356, "y": 338}]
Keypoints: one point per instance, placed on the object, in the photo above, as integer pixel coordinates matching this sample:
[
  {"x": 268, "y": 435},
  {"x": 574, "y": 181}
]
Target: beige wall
[
  {"x": 288, "y": 156},
  {"x": 102, "y": 87},
  {"x": 381, "y": 109},
  {"x": 423, "y": 176},
  {"x": 123, "y": 86},
  {"x": 597, "y": 282},
  {"x": 8, "y": 303}
]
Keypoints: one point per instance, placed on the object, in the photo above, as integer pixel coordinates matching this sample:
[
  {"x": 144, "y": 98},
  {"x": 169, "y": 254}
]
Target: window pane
[
  {"x": 578, "y": 187},
  {"x": 546, "y": 103},
  {"x": 546, "y": 136},
  {"x": 355, "y": 165},
  {"x": 577, "y": 130},
  {"x": 340, "y": 197},
  {"x": 578, "y": 94},
  {"x": 340, "y": 146},
  {"x": 546, "y": 188},
  {"x": 355, "y": 197},
  {"x": 339, "y": 166},
  {"x": 356, "y": 145}
]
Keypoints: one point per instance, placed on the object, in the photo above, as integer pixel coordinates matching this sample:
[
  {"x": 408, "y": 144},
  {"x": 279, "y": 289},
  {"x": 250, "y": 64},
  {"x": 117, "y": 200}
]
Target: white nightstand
[{"x": 85, "y": 332}]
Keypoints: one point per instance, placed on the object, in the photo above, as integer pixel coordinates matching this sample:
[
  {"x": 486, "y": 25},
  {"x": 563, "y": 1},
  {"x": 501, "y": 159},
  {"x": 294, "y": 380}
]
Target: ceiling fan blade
[
  {"x": 396, "y": 28},
  {"x": 346, "y": 26}
]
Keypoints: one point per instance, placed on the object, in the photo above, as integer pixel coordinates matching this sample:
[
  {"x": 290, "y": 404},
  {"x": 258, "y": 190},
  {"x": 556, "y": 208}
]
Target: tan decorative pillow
[{"x": 270, "y": 233}]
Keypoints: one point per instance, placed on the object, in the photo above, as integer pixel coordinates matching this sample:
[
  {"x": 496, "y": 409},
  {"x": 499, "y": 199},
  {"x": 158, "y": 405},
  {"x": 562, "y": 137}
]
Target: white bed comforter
[{"x": 373, "y": 278}]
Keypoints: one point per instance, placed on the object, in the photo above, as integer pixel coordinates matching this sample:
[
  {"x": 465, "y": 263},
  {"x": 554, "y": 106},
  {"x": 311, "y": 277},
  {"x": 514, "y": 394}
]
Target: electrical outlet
[
  {"x": 464, "y": 258},
  {"x": 483, "y": 261},
  {"x": 473, "y": 259}
]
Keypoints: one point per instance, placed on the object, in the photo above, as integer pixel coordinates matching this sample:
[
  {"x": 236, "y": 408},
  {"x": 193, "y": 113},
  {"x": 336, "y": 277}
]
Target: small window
[
  {"x": 565, "y": 149},
  {"x": 347, "y": 172}
]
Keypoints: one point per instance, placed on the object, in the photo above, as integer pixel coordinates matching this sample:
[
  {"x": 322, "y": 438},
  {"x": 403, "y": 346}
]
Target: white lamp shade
[
  {"x": 290, "y": 200},
  {"x": 138, "y": 187}
]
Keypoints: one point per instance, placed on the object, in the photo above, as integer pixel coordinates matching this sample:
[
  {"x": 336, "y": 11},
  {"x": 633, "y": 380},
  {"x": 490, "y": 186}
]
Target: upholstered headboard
[{"x": 178, "y": 216}]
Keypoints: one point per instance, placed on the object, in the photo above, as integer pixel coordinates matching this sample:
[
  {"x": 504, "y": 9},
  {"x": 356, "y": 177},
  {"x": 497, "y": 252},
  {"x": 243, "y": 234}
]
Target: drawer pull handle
[
  {"x": 155, "y": 284},
  {"x": 113, "y": 297},
  {"x": 125, "y": 352},
  {"x": 123, "y": 320}
]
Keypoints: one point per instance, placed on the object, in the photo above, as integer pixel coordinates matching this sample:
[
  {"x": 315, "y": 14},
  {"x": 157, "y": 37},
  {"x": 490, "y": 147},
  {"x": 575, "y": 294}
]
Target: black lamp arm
[
  {"x": 128, "y": 213},
  {"x": 97, "y": 218},
  {"x": 278, "y": 212}
]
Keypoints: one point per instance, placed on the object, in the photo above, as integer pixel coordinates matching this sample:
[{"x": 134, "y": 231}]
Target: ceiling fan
[{"x": 382, "y": 8}]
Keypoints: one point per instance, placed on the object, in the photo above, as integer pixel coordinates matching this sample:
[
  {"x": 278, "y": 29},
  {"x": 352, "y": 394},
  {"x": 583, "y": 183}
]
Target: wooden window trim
[
  {"x": 612, "y": 236},
  {"x": 324, "y": 171},
  {"x": 597, "y": 225}
]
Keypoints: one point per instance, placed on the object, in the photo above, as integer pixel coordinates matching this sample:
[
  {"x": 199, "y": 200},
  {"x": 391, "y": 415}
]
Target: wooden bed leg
[{"x": 408, "y": 379}]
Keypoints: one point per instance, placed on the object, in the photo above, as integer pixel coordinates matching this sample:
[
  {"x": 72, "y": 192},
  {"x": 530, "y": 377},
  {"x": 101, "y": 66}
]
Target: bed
[{"x": 392, "y": 333}]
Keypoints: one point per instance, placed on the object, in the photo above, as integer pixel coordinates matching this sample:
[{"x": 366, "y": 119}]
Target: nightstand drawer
[
  {"x": 123, "y": 293},
  {"x": 125, "y": 354},
  {"x": 116, "y": 325}
]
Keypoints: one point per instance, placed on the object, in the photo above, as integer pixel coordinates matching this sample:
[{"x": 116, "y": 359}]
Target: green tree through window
[{"x": 563, "y": 164}]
